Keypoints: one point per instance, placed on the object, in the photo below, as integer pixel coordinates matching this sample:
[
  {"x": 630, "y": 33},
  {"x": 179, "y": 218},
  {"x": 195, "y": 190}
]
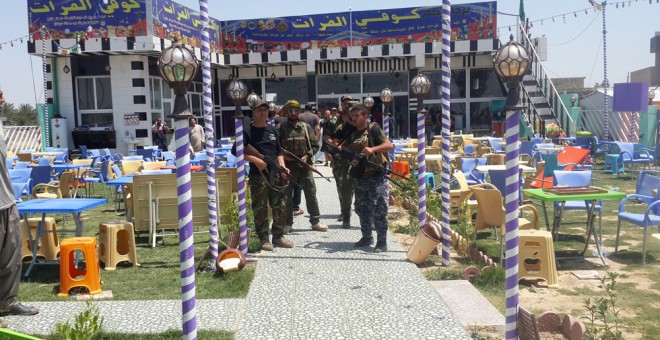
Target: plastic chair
[
  {"x": 648, "y": 186},
  {"x": 494, "y": 143},
  {"x": 21, "y": 165},
  {"x": 131, "y": 167},
  {"x": 147, "y": 154},
  {"x": 498, "y": 178},
  {"x": 458, "y": 197},
  {"x": 70, "y": 274},
  {"x": 45, "y": 160},
  {"x": 153, "y": 165},
  {"x": 629, "y": 156},
  {"x": 491, "y": 212},
  {"x": 90, "y": 177},
  {"x": 19, "y": 189},
  {"x": 23, "y": 178},
  {"x": 169, "y": 158},
  {"x": 56, "y": 189},
  {"x": 40, "y": 175},
  {"x": 567, "y": 159},
  {"x": 116, "y": 244},
  {"x": 84, "y": 153},
  {"x": 469, "y": 166}
]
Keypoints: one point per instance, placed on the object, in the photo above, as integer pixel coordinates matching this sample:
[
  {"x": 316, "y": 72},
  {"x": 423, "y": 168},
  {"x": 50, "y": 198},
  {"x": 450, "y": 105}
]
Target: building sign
[
  {"x": 172, "y": 20},
  {"x": 88, "y": 18},
  {"x": 400, "y": 25},
  {"x": 127, "y": 18}
]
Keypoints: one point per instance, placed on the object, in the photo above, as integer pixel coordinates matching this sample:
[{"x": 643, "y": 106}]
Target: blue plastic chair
[
  {"x": 169, "y": 158},
  {"x": 39, "y": 175},
  {"x": 578, "y": 178},
  {"x": 647, "y": 183},
  {"x": 469, "y": 149},
  {"x": 230, "y": 162},
  {"x": 100, "y": 176},
  {"x": 629, "y": 156},
  {"x": 84, "y": 153},
  {"x": 21, "y": 176},
  {"x": 21, "y": 165},
  {"x": 147, "y": 154},
  {"x": 469, "y": 166},
  {"x": 43, "y": 161},
  {"x": 19, "y": 190},
  {"x": 498, "y": 179},
  {"x": 494, "y": 143}
]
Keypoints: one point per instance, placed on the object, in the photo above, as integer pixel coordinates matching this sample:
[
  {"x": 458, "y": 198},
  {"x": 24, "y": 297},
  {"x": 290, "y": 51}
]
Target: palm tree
[
  {"x": 7, "y": 111},
  {"x": 26, "y": 115}
]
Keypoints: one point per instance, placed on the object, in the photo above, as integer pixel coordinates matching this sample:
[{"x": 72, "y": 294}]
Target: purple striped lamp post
[
  {"x": 214, "y": 236},
  {"x": 272, "y": 108},
  {"x": 420, "y": 86},
  {"x": 446, "y": 77},
  {"x": 511, "y": 63},
  {"x": 237, "y": 90},
  {"x": 178, "y": 66},
  {"x": 387, "y": 97}
]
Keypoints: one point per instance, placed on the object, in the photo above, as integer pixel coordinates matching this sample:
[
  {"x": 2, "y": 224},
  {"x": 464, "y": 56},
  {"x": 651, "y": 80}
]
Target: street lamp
[
  {"x": 651, "y": 96},
  {"x": 420, "y": 86},
  {"x": 237, "y": 90},
  {"x": 573, "y": 100},
  {"x": 368, "y": 102},
  {"x": 511, "y": 63},
  {"x": 178, "y": 66},
  {"x": 252, "y": 99},
  {"x": 386, "y": 97}
]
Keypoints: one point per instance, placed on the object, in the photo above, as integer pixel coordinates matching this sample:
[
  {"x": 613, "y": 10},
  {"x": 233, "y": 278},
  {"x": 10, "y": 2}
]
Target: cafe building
[{"x": 102, "y": 77}]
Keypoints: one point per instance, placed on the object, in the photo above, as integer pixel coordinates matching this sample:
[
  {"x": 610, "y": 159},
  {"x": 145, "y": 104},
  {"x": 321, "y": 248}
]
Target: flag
[
  {"x": 522, "y": 11},
  {"x": 593, "y": 3}
]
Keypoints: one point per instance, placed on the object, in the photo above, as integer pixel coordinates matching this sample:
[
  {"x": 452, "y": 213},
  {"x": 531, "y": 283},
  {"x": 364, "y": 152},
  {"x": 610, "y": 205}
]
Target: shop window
[
  {"x": 458, "y": 83},
  {"x": 95, "y": 101},
  {"x": 485, "y": 84},
  {"x": 481, "y": 118},
  {"x": 397, "y": 81},
  {"x": 283, "y": 89},
  {"x": 340, "y": 83}
]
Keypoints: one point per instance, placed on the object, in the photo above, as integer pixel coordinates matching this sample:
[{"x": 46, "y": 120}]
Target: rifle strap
[{"x": 309, "y": 143}]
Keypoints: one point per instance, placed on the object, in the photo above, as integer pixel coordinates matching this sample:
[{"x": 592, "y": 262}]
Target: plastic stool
[
  {"x": 612, "y": 164},
  {"x": 430, "y": 180},
  {"x": 536, "y": 258},
  {"x": 49, "y": 247},
  {"x": 402, "y": 168},
  {"x": 70, "y": 275},
  {"x": 116, "y": 244}
]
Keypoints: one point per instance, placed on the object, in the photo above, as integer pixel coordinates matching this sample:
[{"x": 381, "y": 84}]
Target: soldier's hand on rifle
[
  {"x": 367, "y": 151},
  {"x": 304, "y": 158},
  {"x": 285, "y": 172},
  {"x": 357, "y": 159},
  {"x": 261, "y": 165}
]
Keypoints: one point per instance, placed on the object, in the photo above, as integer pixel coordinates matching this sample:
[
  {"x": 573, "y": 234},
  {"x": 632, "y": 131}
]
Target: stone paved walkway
[{"x": 322, "y": 288}]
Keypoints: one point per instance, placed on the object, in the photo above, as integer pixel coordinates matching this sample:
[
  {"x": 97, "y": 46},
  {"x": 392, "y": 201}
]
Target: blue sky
[{"x": 574, "y": 43}]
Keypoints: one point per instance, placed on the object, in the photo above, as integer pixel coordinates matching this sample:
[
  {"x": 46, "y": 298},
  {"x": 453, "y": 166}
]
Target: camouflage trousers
[
  {"x": 262, "y": 197},
  {"x": 305, "y": 178},
  {"x": 345, "y": 185},
  {"x": 371, "y": 206}
]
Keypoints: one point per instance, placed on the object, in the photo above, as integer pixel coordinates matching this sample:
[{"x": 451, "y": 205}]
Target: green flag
[{"x": 522, "y": 11}]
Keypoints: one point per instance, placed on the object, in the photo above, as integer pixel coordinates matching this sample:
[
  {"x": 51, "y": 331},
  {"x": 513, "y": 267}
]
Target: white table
[{"x": 484, "y": 168}]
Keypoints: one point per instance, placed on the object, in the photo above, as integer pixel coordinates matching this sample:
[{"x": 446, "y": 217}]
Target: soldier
[
  {"x": 370, "y": 203},
  {"x": 345, "y": 184},
  {"x": 300, "y": 139},
  {"x": 263, "y": 138}
]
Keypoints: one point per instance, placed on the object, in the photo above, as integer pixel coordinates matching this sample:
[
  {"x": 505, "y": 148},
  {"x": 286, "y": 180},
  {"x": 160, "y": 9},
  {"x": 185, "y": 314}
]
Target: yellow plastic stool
[
  {"x": 117, "y": 244},
  {"x": 49, "y": 246},
  {"x": 72, "y": 276},
  {"x": 536, "y": 257}
]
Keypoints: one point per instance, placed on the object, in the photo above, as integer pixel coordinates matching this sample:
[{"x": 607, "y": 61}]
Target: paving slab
[{"x": 468, "y": 305}]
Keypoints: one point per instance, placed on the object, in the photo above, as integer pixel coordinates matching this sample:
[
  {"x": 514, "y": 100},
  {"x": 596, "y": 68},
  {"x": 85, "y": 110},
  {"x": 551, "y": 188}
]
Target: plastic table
[
  {"x": 590, "y": 201},
  {"x": 43, "y": 206}
]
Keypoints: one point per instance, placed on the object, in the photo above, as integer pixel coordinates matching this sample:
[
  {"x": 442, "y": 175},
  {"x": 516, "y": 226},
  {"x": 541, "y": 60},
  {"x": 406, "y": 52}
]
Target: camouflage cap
[
  {"x": 292, "y": 104},
  {"x": 344, "y": 98},
  {"x": 259, "y": 103}
]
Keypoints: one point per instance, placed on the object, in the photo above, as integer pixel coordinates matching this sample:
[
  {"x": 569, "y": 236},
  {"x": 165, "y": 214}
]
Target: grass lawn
[
  {"x": 157, "y": 277},
  {"x": 638, "y": 288}
]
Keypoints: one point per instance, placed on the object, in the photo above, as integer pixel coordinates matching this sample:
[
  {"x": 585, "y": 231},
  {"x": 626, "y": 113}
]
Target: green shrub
[{"x": 87, "y": 325}]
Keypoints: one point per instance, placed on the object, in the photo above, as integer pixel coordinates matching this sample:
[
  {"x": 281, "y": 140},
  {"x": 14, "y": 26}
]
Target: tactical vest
[
  {"x": 296, "y": 138},
  {"x": 357, "y": 145}
]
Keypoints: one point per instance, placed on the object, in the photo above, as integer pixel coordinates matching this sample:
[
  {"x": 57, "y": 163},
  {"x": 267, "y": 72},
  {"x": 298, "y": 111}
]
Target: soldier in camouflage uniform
[
  {"x": 370, "y": 182},
  {"x": 263, "y": 138},
  {"x": 345, "y": 184},
  {"x": 300, "y": 139}
]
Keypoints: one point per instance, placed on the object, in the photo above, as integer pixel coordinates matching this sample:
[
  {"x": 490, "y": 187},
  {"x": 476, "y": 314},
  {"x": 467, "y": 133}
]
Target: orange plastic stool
[
  {"x": 49, "y": 246},
  {"x": 401, "y": 168},
  {"x": 116, "y": 244},
  {"x": 72, "y": 276}
]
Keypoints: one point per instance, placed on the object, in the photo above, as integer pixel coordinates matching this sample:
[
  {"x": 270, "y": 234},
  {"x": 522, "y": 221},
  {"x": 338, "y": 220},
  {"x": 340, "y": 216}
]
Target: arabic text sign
[
  {"x": 415, "y": 24},
  {"x": 173, "y": 20},
  {"x": 88, "y": 18}
]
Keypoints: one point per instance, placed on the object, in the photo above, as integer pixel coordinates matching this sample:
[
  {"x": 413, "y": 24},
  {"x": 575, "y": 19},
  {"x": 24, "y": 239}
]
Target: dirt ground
[{"x": 537, "y": 297}]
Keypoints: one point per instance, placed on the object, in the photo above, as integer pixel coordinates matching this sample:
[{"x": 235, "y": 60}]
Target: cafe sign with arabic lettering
[
  {"x": 389, "y": 26},
  {"x": 85, "y": 19}
]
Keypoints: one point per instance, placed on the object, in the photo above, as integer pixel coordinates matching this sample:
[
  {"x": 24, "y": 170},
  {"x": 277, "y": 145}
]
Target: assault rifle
[
  {"x": 357, "y": 158},
  {"x": 303, "y": 163},
  {"x": 276, "y": 176}
]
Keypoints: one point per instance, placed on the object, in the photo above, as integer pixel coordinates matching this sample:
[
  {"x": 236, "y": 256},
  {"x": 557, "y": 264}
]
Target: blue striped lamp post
[
  {"x": 511, "y": 63},
  {"x": 237, "y": 90},
  {"x": 178, "y": 65}
]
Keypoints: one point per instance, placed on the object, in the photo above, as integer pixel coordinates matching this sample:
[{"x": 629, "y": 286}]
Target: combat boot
[
  {"x": 318, "y": 226},
  {"x": 363, "y": 242},
  {"x": 346, "y": 221},
  {"x": 381, "y": 245},
  {"x": 265, "y": 245},
  {"x": 282, "y": 242}
]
